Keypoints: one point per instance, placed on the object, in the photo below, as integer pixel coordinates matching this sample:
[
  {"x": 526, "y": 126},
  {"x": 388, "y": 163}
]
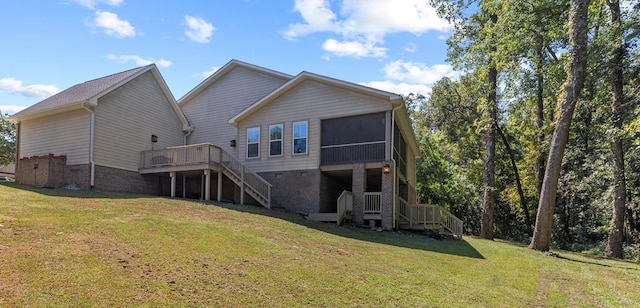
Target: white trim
[
  {"x": 293, "y": 138},
  {"x": 276, "y": 140},
  {"x": 248, "y": 143}
]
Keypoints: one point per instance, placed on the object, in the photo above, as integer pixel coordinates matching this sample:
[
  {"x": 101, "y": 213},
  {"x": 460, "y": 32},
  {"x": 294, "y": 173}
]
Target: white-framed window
[
  {"x": 275, "y": 140},
  {"x": 300, "y": 132},
  {"x": 253, "y": 142}
]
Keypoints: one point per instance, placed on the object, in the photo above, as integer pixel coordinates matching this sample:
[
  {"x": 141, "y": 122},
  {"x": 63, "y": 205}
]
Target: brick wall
[
  {"x": 118, "y": 180},
  {"x": 50, "y": 171},
  {"x": 296, "y": 191}
]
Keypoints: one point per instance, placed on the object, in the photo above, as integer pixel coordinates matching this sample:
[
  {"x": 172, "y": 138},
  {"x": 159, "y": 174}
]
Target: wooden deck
[{"x": 206, "y": 157}]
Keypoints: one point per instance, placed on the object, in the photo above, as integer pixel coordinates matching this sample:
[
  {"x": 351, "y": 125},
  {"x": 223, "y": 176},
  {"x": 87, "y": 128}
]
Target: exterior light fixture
[
  {"x": 386, "y": 169},
  {"x": 154, "y": 138},
  {"x": 232, "y": 143}
]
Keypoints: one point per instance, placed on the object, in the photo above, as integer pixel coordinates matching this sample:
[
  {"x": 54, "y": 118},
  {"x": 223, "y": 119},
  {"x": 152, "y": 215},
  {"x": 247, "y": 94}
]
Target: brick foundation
[
  {"x": 118, "y": 180},
  {"x": 296, "y": 191}
]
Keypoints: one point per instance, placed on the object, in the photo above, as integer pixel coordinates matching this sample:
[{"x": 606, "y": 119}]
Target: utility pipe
[{"x": 91, "y": 145}]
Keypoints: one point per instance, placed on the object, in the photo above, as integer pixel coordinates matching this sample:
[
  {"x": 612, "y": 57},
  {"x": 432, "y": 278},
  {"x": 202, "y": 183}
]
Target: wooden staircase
[
  {"x": 428, "y": 217},
  {"x": 206, "y": 156}
]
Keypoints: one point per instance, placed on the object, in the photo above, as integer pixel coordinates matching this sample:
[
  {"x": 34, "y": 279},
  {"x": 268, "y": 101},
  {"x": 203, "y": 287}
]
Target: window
[
  {"x": 253, "y": 142},
  {"x": 275, "y": 140},
  {"x": 300, "y": 130}
]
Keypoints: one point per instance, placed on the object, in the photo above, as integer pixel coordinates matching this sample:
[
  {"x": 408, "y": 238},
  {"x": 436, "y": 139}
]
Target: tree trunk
[
  {"x": 540, "y": 112},
  {"x": 489, "y": 196},
  {"x": 576, "y": 72},
  {"x": 523, "y": 203},
  {"x": 616, "y": 228}
]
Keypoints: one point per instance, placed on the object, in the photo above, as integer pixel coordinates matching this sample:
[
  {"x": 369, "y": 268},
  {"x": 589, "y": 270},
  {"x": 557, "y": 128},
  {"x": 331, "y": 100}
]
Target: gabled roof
[
  {"x": 392, "y": 97},
  {"x": 88, "y": 93},
  {"x": 396, "y": 101},
  {"x": 223, "y": 71}
]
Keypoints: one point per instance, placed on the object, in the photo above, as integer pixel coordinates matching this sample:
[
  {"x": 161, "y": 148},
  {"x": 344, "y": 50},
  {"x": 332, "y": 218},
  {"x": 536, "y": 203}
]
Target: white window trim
[
  {"x": 258, "y": 142},
  {"x": 293, "y": 138},
  {"x": 274, "y": 140}
]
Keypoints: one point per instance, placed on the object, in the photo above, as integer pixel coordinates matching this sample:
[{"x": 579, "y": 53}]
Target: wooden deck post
[
  {"x": 219, "y": 186},
  {"x": 172, "y": 175},
  {"x": 207, "y": 185},
  {"x": 241, "y": 184}
]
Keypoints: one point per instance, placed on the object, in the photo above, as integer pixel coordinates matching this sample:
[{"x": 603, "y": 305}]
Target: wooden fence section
[{"x": 429, "y": 216}]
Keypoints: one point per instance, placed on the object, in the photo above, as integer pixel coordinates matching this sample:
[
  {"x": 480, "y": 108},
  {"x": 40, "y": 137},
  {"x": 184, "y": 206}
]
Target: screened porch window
[
  {"x": 253, "y": 142},
  {"x": 300, "y": 132},
  {"x": 275, "y": 140}
]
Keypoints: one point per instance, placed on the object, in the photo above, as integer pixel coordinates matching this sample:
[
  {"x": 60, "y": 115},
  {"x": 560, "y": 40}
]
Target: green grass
[{"x": 79, "y": 248}]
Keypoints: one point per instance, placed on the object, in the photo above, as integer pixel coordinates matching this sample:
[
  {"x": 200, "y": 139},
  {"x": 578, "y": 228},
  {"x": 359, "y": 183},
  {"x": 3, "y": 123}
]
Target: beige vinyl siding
[
  {"x": 61, "y": 134},
  {"x": 310, "y": 101},
  {"x": 126, "y": 118},
  {"x": 210, "y": 111}
]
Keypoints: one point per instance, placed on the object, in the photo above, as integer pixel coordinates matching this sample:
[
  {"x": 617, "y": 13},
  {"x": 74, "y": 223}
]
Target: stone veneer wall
[
  {"x": 296, "y": 191},
  {"x": 387, "y": 198},
  {"x": 50, "y": 172},
  {"x": 118, "y": 180}
]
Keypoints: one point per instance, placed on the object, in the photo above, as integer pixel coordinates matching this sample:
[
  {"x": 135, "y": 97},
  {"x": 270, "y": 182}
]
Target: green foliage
[{"x": 7, "y": 140}]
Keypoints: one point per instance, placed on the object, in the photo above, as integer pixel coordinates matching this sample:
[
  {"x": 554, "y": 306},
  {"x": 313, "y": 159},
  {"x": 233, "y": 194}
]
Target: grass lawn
[{"x": 79, "y": 248}]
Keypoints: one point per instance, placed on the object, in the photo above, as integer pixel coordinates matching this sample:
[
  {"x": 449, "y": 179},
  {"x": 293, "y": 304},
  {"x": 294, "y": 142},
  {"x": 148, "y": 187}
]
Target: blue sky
[{"x": 48, "y": 46}]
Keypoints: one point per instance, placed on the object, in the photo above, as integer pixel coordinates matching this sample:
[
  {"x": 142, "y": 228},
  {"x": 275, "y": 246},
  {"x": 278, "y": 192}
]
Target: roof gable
[
  {"x": 296, "y": 81},
  {"x": 88, "y": 93},
  {"x": 231, "y": 65},
  {"x": 81, "y": 93}
]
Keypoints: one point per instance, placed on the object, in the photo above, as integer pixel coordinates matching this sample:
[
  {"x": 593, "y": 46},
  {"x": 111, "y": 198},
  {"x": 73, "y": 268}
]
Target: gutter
[
  {"x": 394, "y": 190},
  {"x": 91, "y": 145},
  {"x": 187, "y": 134}
]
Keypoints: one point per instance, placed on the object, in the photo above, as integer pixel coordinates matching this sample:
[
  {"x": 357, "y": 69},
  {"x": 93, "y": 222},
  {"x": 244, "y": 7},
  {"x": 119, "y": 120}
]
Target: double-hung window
[
  {"x": 253, "y": 142},
  {"x": 275, "y": 140},
  {"x": 300, "y": 132}
]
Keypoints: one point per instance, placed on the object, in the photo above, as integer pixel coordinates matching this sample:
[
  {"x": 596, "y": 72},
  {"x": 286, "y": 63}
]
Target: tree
[
  {"x": 7, "y": 140},
  {"x": 616, "y": 228},
  {"x": 576, "y": 73}
]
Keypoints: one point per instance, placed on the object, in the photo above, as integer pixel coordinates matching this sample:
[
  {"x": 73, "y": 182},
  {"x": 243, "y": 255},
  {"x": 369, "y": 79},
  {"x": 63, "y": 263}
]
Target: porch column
[
  {"x": 219, "y": 186},
  {"x": 207, "y": 185},
  {"x": 172, "y": 175},
  {"x": 184, "y": 186},
  {"x": 359, "y": 185},
  {"x": 388, "y": 181}
]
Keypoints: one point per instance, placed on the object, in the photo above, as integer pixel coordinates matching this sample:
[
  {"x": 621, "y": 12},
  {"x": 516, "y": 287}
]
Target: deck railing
[
  {"x": 207, "y": 153},
  {"x": 345, "y": 203},
  {"x": 372, "y": 203},
  {"x": 429, "y": 215}
]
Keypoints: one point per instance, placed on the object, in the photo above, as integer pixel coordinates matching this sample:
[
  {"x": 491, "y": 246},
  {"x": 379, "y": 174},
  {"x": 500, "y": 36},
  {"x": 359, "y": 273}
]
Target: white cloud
[
  {"x": 113, "y": 25},
  {"x": 210, "y": 72},
  {"x": 399, "y": 88},
  {"x": 140, "y": 61},
  {"x": 11, "y": 109},
  {"x": 414, "y": 72},
  {"x": 91, "y": 4},
  {"x": 354, "y": 48},
  {"x": 411, "y": 47},
  {"x": 366, "y": 21},
  {"x": 199, "y": 30},
  {"x": 14, "y": 86}
]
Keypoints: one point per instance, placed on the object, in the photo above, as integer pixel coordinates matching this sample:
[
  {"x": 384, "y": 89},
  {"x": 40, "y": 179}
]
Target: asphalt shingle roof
[{"x": 81, "y": 92}]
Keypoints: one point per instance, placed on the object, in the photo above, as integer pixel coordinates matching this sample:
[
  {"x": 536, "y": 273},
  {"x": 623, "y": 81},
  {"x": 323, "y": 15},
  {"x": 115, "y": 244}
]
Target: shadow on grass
[
  {"x": 63, "y": 192},
  {"x": 403, "y": 239},
  {"x": 568, "y": 258},
  {"x": 399, "y": 239}
]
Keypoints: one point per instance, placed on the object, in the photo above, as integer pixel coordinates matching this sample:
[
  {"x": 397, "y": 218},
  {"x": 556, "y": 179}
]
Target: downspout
[
  {"x": 187, "y": 134},
  {"x": 394, "y": 190},
  {"x": 91, "y": 145}
]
